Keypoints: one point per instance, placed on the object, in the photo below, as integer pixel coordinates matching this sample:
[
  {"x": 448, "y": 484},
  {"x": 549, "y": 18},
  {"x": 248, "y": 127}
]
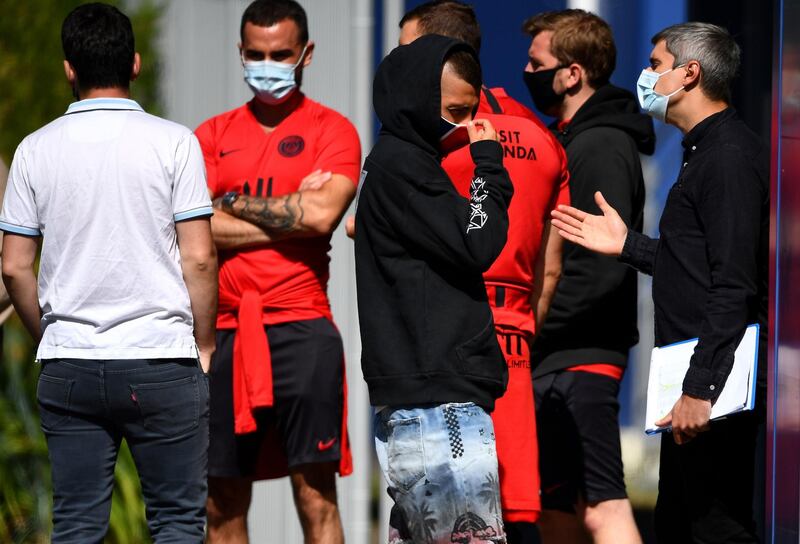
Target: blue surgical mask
[
  {"x": 654, "y": 103},
  {"x": 272, "y": 82}
]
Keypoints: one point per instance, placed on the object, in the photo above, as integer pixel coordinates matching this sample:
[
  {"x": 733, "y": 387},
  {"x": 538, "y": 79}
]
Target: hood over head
[
  {"x": 615, "y": 107},
  {"x": 406, "y": 92}
]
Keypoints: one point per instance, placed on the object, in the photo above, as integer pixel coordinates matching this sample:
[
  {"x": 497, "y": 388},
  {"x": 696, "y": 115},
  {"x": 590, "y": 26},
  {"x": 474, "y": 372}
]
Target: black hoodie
[
  {"x": 426, "y": 328},
  {"x": 592, "y": 318}
]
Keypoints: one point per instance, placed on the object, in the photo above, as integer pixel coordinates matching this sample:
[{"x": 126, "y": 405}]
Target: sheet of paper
[
  {"x": 670, "y": 386},
  {"x": 668, "y": 366}
]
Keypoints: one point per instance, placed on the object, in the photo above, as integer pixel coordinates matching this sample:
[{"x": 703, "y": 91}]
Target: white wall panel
[{"x": 592, "y": 6}]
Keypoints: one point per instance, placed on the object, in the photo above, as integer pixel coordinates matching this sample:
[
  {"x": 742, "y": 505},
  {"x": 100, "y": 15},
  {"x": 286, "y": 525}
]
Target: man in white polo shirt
[{"x": 126, "y": 298}]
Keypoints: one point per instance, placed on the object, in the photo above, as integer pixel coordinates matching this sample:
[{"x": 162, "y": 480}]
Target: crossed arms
[{"x": 314, "y": 210}]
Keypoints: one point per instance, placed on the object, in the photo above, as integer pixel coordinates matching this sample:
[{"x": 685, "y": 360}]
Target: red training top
[
  {"x": 292, "y": 274},
  {"x": 537, "y": 166},
  {"x": 285, "y": 280}
]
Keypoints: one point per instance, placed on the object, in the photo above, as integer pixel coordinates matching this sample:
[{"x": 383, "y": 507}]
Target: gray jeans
[{"x": 160, "y": 407}]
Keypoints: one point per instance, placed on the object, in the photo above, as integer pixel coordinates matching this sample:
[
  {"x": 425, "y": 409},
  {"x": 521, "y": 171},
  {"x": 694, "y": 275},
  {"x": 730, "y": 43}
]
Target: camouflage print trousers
[{"x": 440, "y": 462}]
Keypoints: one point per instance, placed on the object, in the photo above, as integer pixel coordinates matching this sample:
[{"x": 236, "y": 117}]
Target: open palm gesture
[{"x": 601, "y": 233}]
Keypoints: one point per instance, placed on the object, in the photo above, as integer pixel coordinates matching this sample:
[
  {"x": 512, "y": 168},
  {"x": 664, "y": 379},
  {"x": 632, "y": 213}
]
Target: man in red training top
[
  {"x": 522, "y": 280},
  {"x": 277, "y": 386}
]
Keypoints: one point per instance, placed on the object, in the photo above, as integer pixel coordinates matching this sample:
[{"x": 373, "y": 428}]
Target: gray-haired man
[{"x": 709, "y": 280}]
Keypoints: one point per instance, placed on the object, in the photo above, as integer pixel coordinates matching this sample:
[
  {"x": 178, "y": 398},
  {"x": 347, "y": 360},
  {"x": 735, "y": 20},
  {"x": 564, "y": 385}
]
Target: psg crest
[{"x": 291, "y": 146}]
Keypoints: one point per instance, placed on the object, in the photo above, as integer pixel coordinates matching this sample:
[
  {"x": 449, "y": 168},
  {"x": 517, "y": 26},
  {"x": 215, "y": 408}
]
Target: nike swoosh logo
[
  {"x": 322, "y": 446},
  {"x": 552, "y": 488},
  {"x": 223, "y": 153}
]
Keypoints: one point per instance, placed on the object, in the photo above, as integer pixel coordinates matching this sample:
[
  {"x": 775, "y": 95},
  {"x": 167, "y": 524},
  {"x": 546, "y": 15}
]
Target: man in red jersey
[
  {"x": 282, "y": 170},
  {"x": 522, "y": 280}
]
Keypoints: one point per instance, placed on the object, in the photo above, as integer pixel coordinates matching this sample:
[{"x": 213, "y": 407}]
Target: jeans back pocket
[
  {"x": 53, "y": 395},
  {"x": 169, "y": 408},
  {"x": 404, "y": 453}
]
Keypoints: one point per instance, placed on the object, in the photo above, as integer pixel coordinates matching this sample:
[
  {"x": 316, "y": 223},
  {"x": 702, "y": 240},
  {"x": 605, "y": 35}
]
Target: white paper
[{"x": 668, "y": 367}]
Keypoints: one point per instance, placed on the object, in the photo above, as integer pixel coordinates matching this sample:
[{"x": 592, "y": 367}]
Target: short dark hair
[
  {"x": 98, "y": 43},
  {"x": 710, "y": 45},
  {"x": 466, "y": 67},
  {"x": 579, "y": 37},
  {"x": 270, "y": 12},
  {"x": 447, "y": 18}
]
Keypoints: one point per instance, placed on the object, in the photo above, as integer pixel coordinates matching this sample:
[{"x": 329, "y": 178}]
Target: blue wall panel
[
  {"x": 783, "y": 498},
  {"x": 504, "y": 48}
]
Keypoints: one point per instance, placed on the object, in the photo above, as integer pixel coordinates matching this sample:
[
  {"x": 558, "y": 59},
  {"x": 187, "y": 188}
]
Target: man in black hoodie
[
  {"x": 580, "y": 354},
  {"x": 430, "y": 356}
]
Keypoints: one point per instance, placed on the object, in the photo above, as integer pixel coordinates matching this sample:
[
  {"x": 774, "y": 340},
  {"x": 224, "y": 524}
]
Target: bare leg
[
  {"x": 611, "y": 522},
  {"x": 314, "y": 487},
  {"x": 227, "y": 505}
]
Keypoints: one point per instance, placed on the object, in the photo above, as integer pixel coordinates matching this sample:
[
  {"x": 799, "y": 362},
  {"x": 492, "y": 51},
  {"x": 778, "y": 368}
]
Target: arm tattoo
[{"x": 282, "y": 214}]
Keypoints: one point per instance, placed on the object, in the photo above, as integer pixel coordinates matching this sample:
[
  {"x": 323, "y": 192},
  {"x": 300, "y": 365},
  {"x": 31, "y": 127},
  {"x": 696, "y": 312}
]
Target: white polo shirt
[{"x": 104, "y": 186}]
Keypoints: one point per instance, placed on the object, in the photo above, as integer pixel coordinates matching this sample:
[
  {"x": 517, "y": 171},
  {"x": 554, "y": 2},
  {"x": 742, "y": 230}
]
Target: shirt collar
[
  {"x": 91, "y": 104},
  {"x": 705, "y": 126}
]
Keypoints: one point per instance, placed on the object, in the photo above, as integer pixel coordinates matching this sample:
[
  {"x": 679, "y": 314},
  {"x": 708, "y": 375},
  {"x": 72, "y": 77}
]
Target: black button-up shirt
[{"x": 710, "y": 265}]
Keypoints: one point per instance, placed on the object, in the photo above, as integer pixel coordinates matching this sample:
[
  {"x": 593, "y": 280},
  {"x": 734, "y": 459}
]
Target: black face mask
[{"x": 540, "y": 85}]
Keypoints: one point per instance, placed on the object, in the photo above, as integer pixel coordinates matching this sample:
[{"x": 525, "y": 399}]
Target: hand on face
[
  {"x": 480, "y": 130},
  {"x": 458, "y": 100}
]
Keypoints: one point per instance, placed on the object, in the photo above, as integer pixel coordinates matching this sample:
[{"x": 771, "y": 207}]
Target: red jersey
[
  {"x": 290, "y": 275},
  {"x": 508, "y": 106},
  {"x": 285, "y": 280},
  {"x": 537, "y": 165}
]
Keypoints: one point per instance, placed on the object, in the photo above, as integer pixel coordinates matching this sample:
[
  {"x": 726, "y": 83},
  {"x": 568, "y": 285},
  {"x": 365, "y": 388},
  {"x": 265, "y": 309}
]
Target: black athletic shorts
[
  {"x": 578, "y": 429},
  {"x": 306, "y": 418}
]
